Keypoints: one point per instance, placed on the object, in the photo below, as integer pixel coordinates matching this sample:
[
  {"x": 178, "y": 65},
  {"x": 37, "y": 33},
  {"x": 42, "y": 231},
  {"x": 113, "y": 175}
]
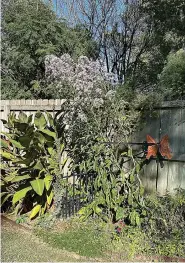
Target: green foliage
[
  {"x": 31, "y": 30},
  {"x": 172, "y": 78},
  {"x": 32, "y": 162},
  {"x": 118, "y": 189},
  {"x": 167, "y": 20},
  {"x": 162, "y": 230},
  {"x": 118, "y": 194},
  {"x": 130, "y": 243},
  {"x": 165, "y": 223},
  {"x": 45, "y": 221},
  {"x": 140, "y": 102},
  {"x": 53, "y": 90},
  {"x": 125, "y": 92}
]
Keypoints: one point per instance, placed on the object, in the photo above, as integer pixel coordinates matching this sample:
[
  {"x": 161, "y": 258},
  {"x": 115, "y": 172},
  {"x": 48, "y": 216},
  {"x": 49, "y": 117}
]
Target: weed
[{"x": 22, "y": 219}]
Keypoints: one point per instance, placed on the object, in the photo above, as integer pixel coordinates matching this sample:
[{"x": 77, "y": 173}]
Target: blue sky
[{"x": 121, "y": 6}]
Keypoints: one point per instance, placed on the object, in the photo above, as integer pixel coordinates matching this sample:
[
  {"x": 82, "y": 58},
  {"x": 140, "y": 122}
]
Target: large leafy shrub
[
  {"x": 172, "y": 78},
  {"x": 165, "y": 223},
  {"x": 32, "y": 162},
  {"x": 100, "y": 147}
]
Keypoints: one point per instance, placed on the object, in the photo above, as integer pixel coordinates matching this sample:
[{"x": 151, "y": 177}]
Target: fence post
[
  {"x": 6, "y": 112},
  {"x": 6, "y": 109}
]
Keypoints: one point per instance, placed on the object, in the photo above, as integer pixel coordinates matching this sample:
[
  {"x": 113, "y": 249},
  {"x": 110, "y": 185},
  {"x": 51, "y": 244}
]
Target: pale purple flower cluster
[
  {"x": 60, "y": 69},
  {"x": 87, "y": 78}
]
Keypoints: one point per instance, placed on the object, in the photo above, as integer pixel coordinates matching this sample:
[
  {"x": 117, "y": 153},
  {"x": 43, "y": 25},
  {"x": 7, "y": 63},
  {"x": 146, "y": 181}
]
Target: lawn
[{"x": 21, "y": 245}]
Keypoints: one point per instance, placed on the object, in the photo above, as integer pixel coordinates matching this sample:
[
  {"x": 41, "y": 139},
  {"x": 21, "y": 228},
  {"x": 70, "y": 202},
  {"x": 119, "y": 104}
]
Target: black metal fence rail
[{"x": 79, "y": 191}]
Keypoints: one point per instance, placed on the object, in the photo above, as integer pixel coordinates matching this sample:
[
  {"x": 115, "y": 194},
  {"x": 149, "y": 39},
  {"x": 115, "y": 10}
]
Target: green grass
[
  {"x": 20, "y": 246},
  {"x": 85, "y": 242}
]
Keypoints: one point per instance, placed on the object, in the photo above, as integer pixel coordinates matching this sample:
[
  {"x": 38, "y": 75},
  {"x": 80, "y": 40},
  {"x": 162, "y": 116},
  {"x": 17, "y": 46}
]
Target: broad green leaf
[
  {"x": 25, "y": 140},
  {"x": 120, "y": 213},
  {"x": 132, "y": 178},
  {"x": 3, "y": 200},
  {"x": 144, "y": 213},
  {"x": 82, "y": 211},
  {"x": 40, "y": 137},
  {"x": 48, "y": 181},
  {"x": 35, "y": 83},
  {"x": 51, "y": 151},
  {"x": 30, "y": 131},
  {"x": 43, "y": 209},
  {"x": 38, "y": 166},
  {"x": 21, "y": 126},
  {"x": 50, "y": 118},
  {"x": 130, "y": 199},
  {"x": 4, "y": 144},
  {"x": 132, "y": 217},
  {"x": 30, "y": 118},
  {"x": 16, "y": 144},
  {"x": 50, "y": 197},
  {"x": 97, "y": 210},
  {"x": 9, "y": 178},
  {"x": 83, "y": 218},
  {"x": 20, "y": 194},
  {"x": 23, "y": 117},
  {"x": 9, "y": 135},
  {"x": 38, "y": 186},
  {"x": 7, "y": 155},
  {"x": 50, "y": 133},
  {"x": 138, "y": 220},
  {"x": 122, "y": 175},
  {"x": 1, "y": 183},
  {"x": 3, "y": 165},
  {"x": 35, "y": 211},
  {"x": 20, "y": 178},
  {"x": 40, "y": 120},
  {"x": 141, "y": 190}
]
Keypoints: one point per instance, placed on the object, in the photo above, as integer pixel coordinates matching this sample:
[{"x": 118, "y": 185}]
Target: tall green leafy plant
[
  {"x": 31, "y": 161},
  {"x": 103, "y": 151},
  {"x": 118, "y": 189}
]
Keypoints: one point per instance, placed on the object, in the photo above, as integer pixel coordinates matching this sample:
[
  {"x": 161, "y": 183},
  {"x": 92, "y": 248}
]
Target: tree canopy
[
  {"x": 133, "y": 38},
  {"x": 31, "y": 30}
]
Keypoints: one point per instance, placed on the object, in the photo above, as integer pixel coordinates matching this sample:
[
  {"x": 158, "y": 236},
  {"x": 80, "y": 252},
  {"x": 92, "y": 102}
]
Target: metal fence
[{"x": 79, "y": 191}]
